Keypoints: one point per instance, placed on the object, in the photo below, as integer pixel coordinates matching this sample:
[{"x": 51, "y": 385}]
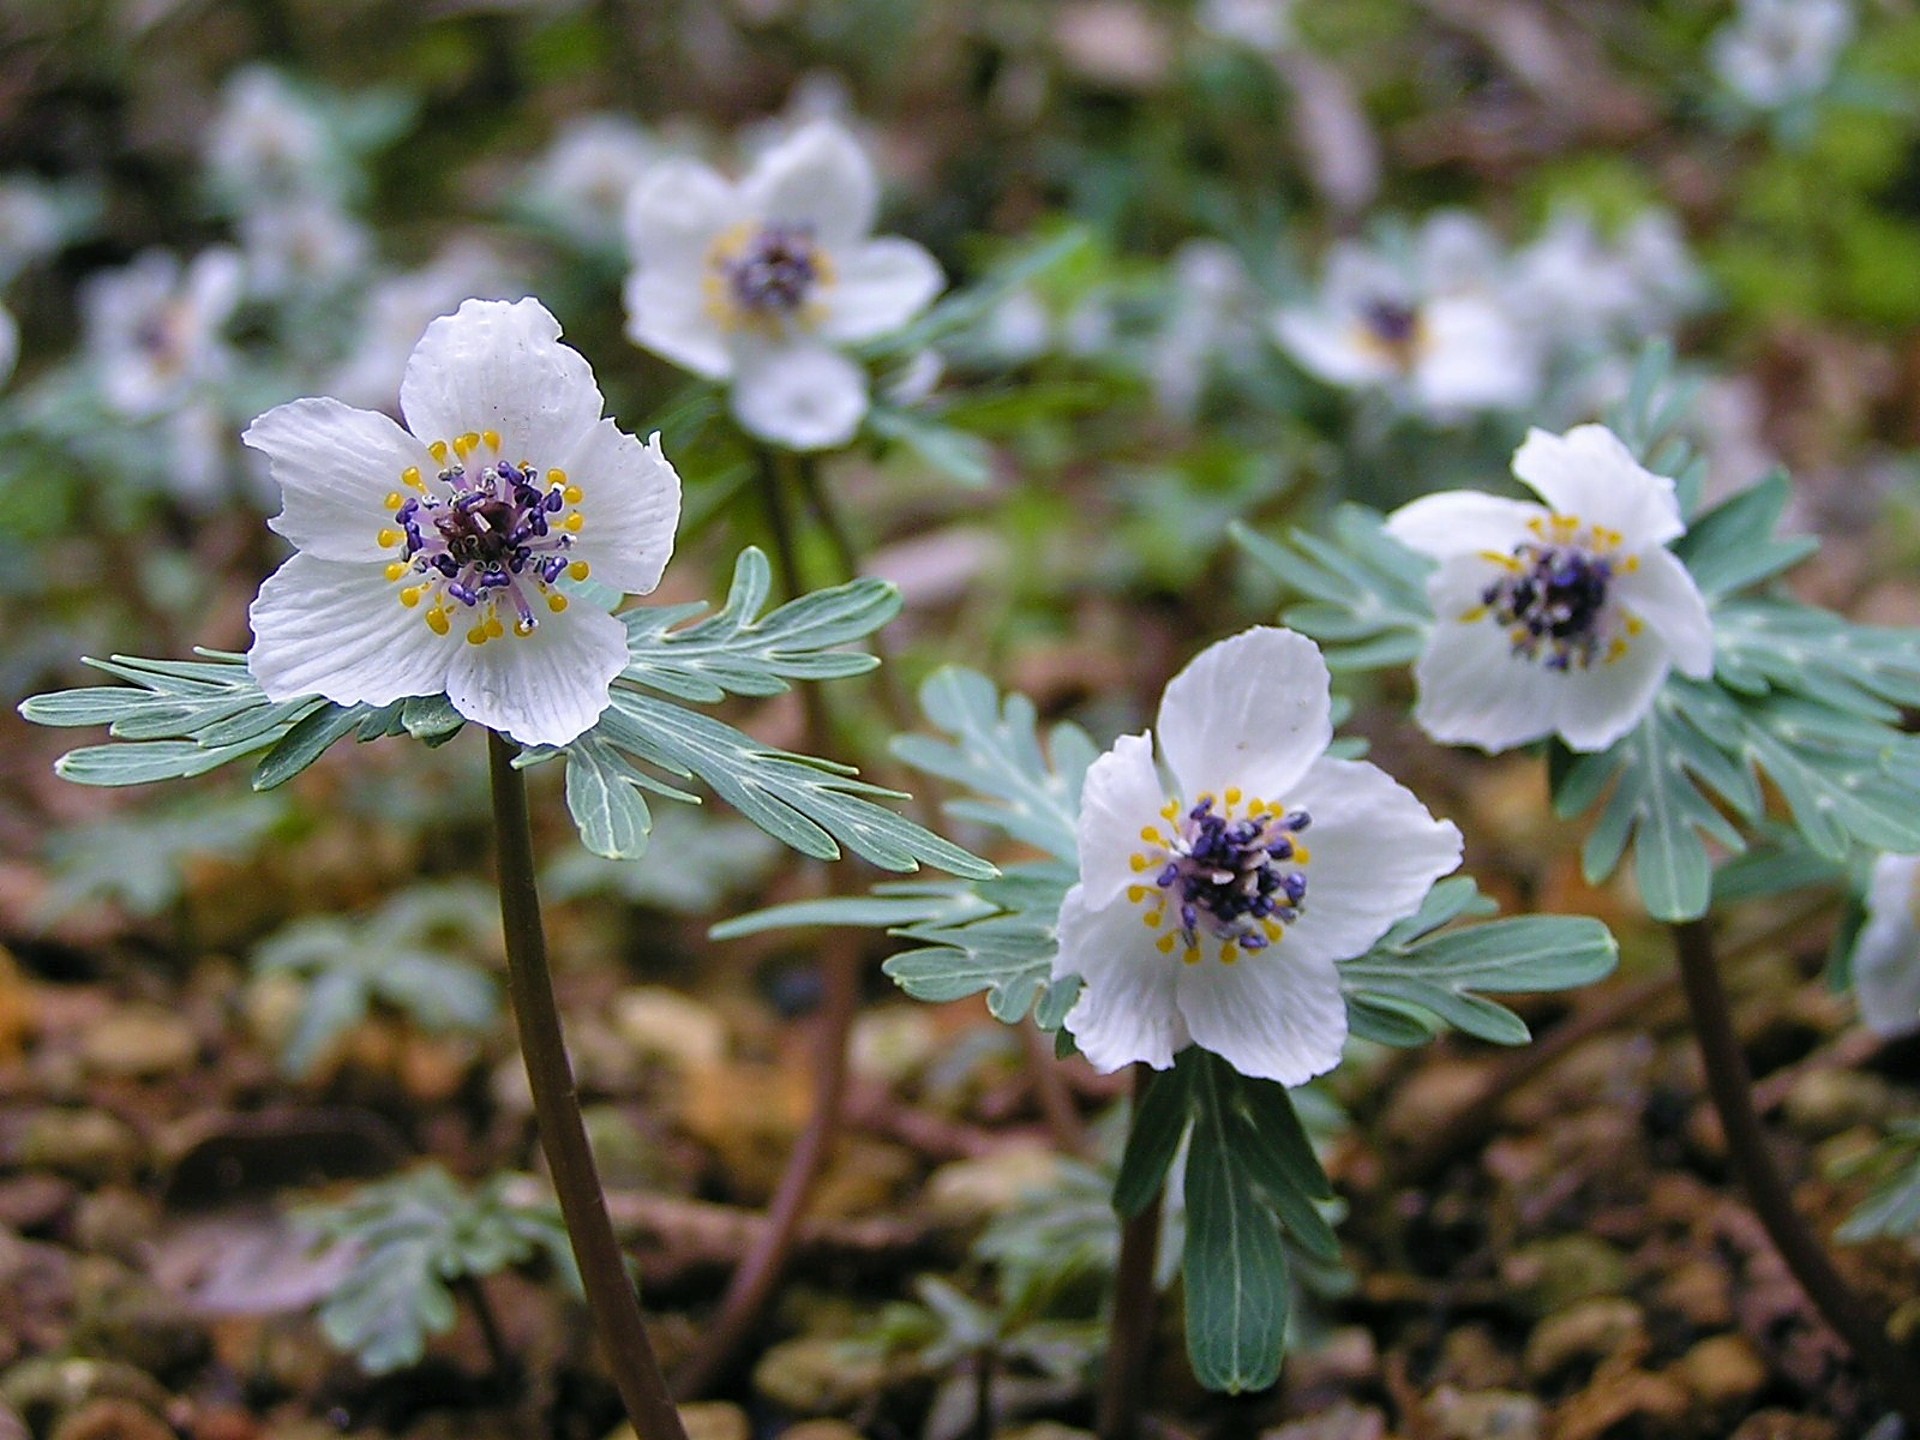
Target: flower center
[
  {"x": 1392, "y": 328},
  {"x": 482, "y": 536},
  {"x": 762, "y": 276},
  {"x": 1239, "y": 880},
  {"x": 1552, "y": 596}
]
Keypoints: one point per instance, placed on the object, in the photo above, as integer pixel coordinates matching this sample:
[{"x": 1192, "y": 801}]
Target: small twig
[
  {"x": 1130, "y": 1326},
  {"x": 505, "y": 1370},
  {"x": 983, "y": 1368},
  {"x": 556, "y": 1108},
  {"x": 1730, "y": 1084}
]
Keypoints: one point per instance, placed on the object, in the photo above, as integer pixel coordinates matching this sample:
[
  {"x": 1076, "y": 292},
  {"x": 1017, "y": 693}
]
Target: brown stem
[
  {"x": 499, "y": 1357},
  {"x": 1730, "y": 1084},
  {"x": 556, "y": 1108},
  {"x": 1130, "y": 1327},
  {"x": 760, "y": 1269}
]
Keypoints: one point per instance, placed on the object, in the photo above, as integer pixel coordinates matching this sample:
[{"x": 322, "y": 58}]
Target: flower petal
[
  {"x": 877, "y": 288},
  {"x": 321, "y": 627},
  {"x": 1462, "y": 522},
  {"x": 499, "y": 365},
  {"x": 1588, "y": 473},
  {"x": 818, "y": 176},
  {"x": 1886, "y": 957},
  {"x": 630, "y": 502},
  {"x": 1376, "y": 851},
  {"x": 804, "y": 396},
  {"x": 674, "y": 215},
  {"x": 1660, "y": 590},
  {"x": 1276, "y": 1014},
  {"x": 1121, "y": 795},
  {"x": 544, "y": 688},
  {"x": 1126, "y": 1011},
  {"x": 1596, "y": 706},
  {"x": 1474, "y": 691},
  {"x": 1326, "y": 344},
  {"x": 667, "y": 313},
  {"x": 1473, "y": 357},
  {"x": 1253, "y": 712},
  {"x": 335, "y": 466}
]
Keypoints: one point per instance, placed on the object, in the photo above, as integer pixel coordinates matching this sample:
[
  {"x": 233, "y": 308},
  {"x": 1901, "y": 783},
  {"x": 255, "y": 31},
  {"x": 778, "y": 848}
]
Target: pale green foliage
[
  {"x": 410, "y": 1240},
  {"x": 413, "y": 955}
]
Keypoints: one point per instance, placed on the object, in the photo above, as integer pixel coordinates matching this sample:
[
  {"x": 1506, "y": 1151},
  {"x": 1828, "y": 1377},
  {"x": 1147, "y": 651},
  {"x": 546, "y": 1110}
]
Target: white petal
[
  {"x": 544, "y": 688},
  {"x": 1252, "y": 712},
  {"x": 1587, "y": 472},
  {"x": 667, "y": 313},
  {"x": 1274, "y": 1014},
  {"x": 820, "y": 177},
  {"x": 335, "y": 466},
  {"x": 877, "y": 288},
  {"x": 1472, "y": 357},
  {"x": 630, "y": 503},
  {"x": 215, "y": 281},
  {"x": 9, "y": 343},
  {"x": 1660, "y": 590},
  {"x": 1375, "y": 850},
  {"x": 674, "y": 215},
  {"x": 1462, "y": 522},
  {"x": 1126, "y": 1012},
  {"x": 321, "y": 627},
  {"x": 1474, "y": 691},
  {"x": 1886, "y": 957},
  {"x": 1596, "y": 706},
  {"x": 1326, "y": 344},
  {"x": 1121, "y": 796},
  {"x": 803, "y": 396},
  {"x": 499, "y": 365}
]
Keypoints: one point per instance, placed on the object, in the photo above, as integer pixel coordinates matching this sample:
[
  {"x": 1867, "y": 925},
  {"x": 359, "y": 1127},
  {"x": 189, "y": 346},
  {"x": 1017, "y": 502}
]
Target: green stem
[
  {"x": 1730, "y": 1084},
  {"x": 1130, "y": 1325},
  {"x": 556, "y": 1108}
]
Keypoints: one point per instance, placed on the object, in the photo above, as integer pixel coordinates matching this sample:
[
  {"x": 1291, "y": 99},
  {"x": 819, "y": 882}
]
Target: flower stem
[
  {"x": 760, "y": 1268},
  {"x": 1730, "y": 1084},
  {"x": 1130, "y": 1325},
  {"x": 556, "y": 1108}
]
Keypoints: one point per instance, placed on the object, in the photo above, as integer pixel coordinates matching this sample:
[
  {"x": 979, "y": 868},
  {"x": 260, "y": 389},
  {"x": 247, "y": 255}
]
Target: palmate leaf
[{"x": 410, "y": 1240}]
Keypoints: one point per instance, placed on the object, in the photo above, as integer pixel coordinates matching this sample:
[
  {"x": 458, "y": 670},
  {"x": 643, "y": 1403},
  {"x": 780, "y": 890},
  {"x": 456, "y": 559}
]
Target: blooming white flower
[
  {"x": 583, "y": 181},
  {"x": 1775, "y": 52},
  {"x": 154, "y": 333},
  {"x": 759, "y": 283},
  {"x": 1886, "y": 954},
  {"x": 1583, "y": 293},
  {"x": 1430, "y": 326},
  {"x": 428, "y": 557},
  {"x": 1562, "y": 618},
  {"x": 301, "y": 245},
  {"x": 1203, "y": 915},
  {"x": 1206, "y": 322},
  {"x": 269, "y": 144},
  {"x": 31, "y": 223}
]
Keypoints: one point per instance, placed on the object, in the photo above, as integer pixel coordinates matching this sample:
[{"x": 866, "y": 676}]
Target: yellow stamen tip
[
  {"x": 1233, "y": 795},
  {"x": 410, "y": 477},
  {"x": 1630, "y": 564},
  {"x": 393, "y": 500},
  {"x": 388, "y": 536},
  {"x": 1149, "y": 834},
  {"x": 1192, "y": 957},
  {"x": 494, "y": 628},
  {"x": 1257, "y": 809},
  {"x": 396, "y": 569},
  {"x": 556, "y": 477},
  {"x": 438, "y": 449},
  {"x": 1139, "y": 862},
  {"x": 491, "y": 438},
  {"x": 572, "y": 494},
  {"x": 579, "y": 570},
  {"x": 410, "y": 596},
  {"x": 573, "y": 522},
  {"x": 1136, "y": 893},
  {"x": 437, "y": 621},
  {"x": 1229, "y": 953},
  {"x": 1165, "y": 944},
  {"x": 556, "y": 603},
  {"x": 1171, "y": 810},
  {"x": 1301, "y": 853},
  {"x": 477, "y": 635}
]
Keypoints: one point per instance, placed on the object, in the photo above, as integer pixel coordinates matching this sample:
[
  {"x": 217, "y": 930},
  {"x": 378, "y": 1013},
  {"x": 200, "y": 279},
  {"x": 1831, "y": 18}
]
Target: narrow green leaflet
[
  {"x": 1418, "y": 978},
  {"x": 1892, "y": 1210},
  {"x": 1734, "y": 545},
  {"x": 1366, "y": 600},
  {"x": 738, "y": 651},
  {"x": 409, "y": 1241}
]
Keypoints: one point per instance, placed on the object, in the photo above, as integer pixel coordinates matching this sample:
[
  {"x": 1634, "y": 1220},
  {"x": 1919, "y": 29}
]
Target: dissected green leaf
[{"x": 1366, "y": 600}]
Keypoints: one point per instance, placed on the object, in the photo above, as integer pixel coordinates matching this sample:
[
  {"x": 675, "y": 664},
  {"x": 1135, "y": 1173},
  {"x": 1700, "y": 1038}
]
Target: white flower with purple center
[
  {"x": 761, "y": 283},
  {"x": 1216, "y": 899},
  {"x": 1562, "y": 618},
  {"x": 430, "y": 558},
  {"x": 1427, "y": 323},
  {"x": 154, "y": 330},
  {"x": 1886, "y": 956}
]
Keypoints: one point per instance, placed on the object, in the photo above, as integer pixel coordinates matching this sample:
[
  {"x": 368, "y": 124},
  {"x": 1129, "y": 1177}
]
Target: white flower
[
  {"x": 1561, "y": 618},
  {"x": 398, "y": 308},
  {"x": 268, "y": 143},
  {"x": 31, "y": 223},
  {"x": 1886, "y": 955},
  {"x": 1207, "y": 911},
  {"x": 1778, "y": 51},
  {"x": 1262, "y": 25},
  {"x": 584, "y": 180},
  {"x": 154, "y": 333},
  {"x": 1208, "y": 300},
  {"x": 760, "y": 283},
  {"x": 428, "y": 557},
  {"x": 1584, "y": 293},
  {"x": 301, "y": 245},
  {"x": 1430, "y": 327},
  {"x": 9, "y": 344}
]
